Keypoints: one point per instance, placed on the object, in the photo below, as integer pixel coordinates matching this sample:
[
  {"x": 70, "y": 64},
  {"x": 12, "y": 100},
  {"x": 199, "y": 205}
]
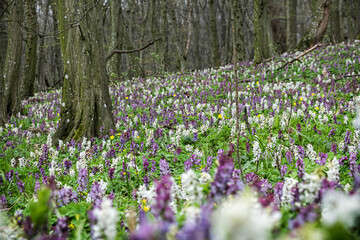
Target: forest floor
[{"x": 170, "y": 169}]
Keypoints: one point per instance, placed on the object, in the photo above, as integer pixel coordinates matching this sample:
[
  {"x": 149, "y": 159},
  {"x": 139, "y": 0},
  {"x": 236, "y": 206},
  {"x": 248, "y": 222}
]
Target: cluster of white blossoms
[
  {"x": 107, "y": 218},
  {"x": 310, "y": 187},
  {"x": 288, "y": 196},
  {"x": 243, "y": 217},
  {"x": 339, "y": 207},
  {"x": 333, "y": 173},
  {"x": 191, "y": 187}
]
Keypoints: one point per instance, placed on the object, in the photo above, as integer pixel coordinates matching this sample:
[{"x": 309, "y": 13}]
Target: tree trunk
[
  {"x": 318, "y": 26},
  {"x": 31, "y": 48},
  {"x": 175, "y": 28},
  {"x": 239, "y": 30},
  {"x": 336, "y": 34},
  {"x": 3, "y": 47},
  {"x": 11, "y": 70},
  {"x": 164, "y": 55},
  {"x": 261, "y": 46},
  {"x": 86, "y": 104},
  {"x": 41, "y": 80},
  {"x": 214, "y": 37},
  {"x": 291, "y": 29},
  {"x": 196, "y": 24},
  {"x": 59, "y": 71}
]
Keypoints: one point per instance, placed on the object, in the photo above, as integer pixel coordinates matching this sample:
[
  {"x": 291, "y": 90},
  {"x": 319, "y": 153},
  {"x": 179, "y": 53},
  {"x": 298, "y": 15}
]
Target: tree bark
[
  {"x": 291, "y": 29},
  {"x": 59, "y": 77},
  {"x": 318, "y": 26},
  {"x": 261, "y": 43},
  {"x": 336, "y": 35},
  {"x": 86, "y": 104},
  {"x": 31, "y": 48},
  {"x": 11, "y": 72},
  {"x": 41, "y": 80},
  {"x": 213, "y": 31},
  {"x": 239, "y": 30},
  {"x": 3, "y": 47}
]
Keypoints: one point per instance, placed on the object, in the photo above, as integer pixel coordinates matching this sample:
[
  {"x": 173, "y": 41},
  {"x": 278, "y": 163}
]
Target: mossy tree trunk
[
  {"x": 261, "y": 24},
  {"x": 31, "y": 49},
  {"x": 291, "y": 25},
  {"x": 215, "y": 51},
  {"x": 3, "y": 46},
  {"x": 86, "y": 104},
  {"x": 11, "y": 72},
  {"x": 320, "y": 20},
  {"x": 239, "y": 30}
]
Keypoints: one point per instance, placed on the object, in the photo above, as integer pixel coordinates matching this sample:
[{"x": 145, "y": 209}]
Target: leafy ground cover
[{"x": 169, "y": 170}]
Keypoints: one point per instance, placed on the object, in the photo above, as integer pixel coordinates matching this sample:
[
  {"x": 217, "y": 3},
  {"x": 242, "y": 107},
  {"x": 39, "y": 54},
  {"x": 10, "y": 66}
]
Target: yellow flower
[
  {"x": 247, "y": 85},
  {"x": 301, "y": 99},
  {"x": 257, "y": 82},
  {"x": 119, "y": 134},
  {"x": 146, "y": 208},
  {"x": 143, "y": 201},
  {"x": 294, "y": 103},
  {"x": 71, "y": 225},
  {"x": 111, "y": 137},
  {"x": 282, "y": 93},
  {"x": 138, "y": 137},
  {"x": 317, "y": 108},
  {"x": 322, "y": 95},
  {"x": 124, "y": 173},
  {"x": 219, "y": 116},
  {"x": 58, "y": 114},
  {"x": 174, "y": 95},
  {"x": 259, "y": 115},
  {"x": 312, "y": 94},
  {"x": 127, "y": 98}
]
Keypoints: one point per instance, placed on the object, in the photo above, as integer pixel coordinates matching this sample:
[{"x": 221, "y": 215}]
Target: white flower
[
  {"x": 288, "y": 196},
  {"x": 191, "y": 186},
  {"x": 333, "y": 172},
  {"x": 107, "y": 217},
  {"x": 338, "y": 207},
  {"x": 242, "y": 218},
  {"x": 310, "y": 187},
  {"x": 204, "y": 178}
]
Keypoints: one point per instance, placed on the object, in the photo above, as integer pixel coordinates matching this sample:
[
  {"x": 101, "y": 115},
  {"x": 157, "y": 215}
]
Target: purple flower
[
  {"x": 300, "y": 168},
  {"x": 333, "y": 148},
  {"x": 82, "y": 180},
  {"x": 288, "y": 156},
  {"x": 301, "y": 152},
  {"x": 331, "y": 133},
  {"x": 21, "y": 186},
  {"x": 3, "y": 202},
  {"x": 323, "y": 158},
  {"x": 153, "y": 166},
  {"x": 111, "y": 173},
  {"x": 66, "y": 196},
  {"x": 37, "y": 186},
  {"x": 306, "y": 214},
  {"x": 298, "y": 127},
  {"x": 283, "y": 170},
  {"x": 342, "y": 160},
  {"x": 96, "y": 193},
  {"x": 195, "y": 137},
  {"x": 178, "y": 150},
  {"x": 161, "y": 209},
  {"x": 223, "y": 183},
  {"x": 164, "y": 167},
  {"x": 145, "y": 163},
  {"x": 352, "y": 164}
]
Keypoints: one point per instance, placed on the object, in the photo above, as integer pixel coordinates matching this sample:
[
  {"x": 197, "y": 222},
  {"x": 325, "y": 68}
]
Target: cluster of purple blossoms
[
  {"x": 164, "y": 167},
  {"x": 66, "y": 196},
  {"x": 224, "y": 183},
  {"x": 193, "y": 160},
  {"x": 161, "y": 209},
  {"x": 300, "y": 162},
  {"x": 322, "y": 158},
  {"x": 82, "y": 180},
  {"x": 96, "y": 193}
]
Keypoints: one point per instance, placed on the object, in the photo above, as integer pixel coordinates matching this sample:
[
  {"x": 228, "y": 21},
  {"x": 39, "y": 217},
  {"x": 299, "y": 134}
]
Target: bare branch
[{"x": 131, "y": 50}]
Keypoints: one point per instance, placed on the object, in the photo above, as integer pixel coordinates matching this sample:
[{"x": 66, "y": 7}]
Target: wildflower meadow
[{"x": 170, "y": 169}]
